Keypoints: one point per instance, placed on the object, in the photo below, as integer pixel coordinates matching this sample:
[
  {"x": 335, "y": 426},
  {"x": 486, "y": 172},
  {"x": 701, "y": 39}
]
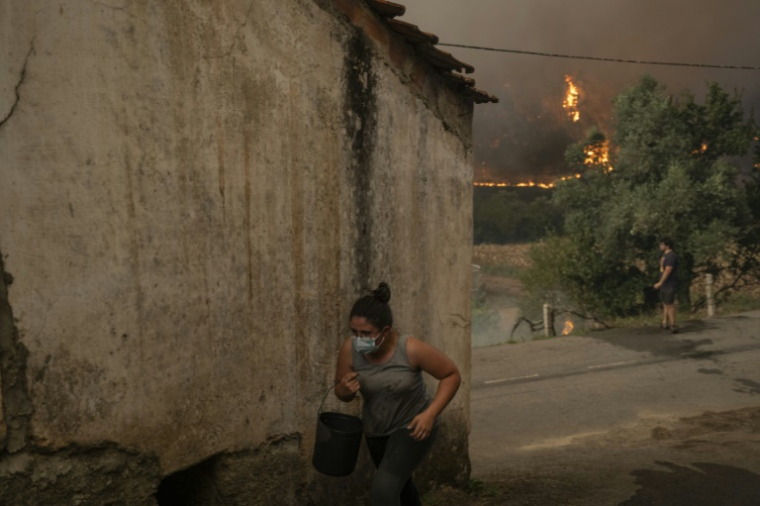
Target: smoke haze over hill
[{"x": 525, "y": 135}]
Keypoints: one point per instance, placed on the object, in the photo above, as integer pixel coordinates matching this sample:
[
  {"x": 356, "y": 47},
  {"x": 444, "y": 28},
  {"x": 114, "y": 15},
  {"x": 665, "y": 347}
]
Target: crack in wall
[
  {"x": 107, "y": 6},
  {"x": 18, "y": 86},
  {"x": 17, "y": 405}
]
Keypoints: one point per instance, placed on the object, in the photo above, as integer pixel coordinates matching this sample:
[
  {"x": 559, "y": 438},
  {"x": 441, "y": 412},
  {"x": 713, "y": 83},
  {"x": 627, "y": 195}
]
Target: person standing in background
[{"x": 668, "y": 284}]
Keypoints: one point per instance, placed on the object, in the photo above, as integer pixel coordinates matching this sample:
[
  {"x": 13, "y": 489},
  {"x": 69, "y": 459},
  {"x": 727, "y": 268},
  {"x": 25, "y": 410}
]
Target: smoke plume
[{"x": 525, "y": 135}]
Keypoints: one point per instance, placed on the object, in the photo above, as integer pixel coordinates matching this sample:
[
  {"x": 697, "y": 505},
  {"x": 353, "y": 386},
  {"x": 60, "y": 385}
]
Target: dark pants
[
  {"x": 395, "y": 457},
  {"x": 668, "y": 294}
]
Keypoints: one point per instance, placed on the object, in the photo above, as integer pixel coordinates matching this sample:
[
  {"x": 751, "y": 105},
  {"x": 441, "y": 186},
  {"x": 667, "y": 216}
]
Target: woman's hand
[
  {"x": 348, "y": 386},
  {"x": 421, "y": 426}
]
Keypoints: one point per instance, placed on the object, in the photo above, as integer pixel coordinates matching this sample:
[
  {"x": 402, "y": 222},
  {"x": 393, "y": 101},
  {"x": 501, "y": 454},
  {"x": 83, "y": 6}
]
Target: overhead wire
[{"x": 598, "y": 58}]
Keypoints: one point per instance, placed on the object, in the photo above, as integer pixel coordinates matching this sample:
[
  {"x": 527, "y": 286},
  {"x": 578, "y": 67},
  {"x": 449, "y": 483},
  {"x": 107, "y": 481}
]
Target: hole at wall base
[{"x": 194, "y": 486}]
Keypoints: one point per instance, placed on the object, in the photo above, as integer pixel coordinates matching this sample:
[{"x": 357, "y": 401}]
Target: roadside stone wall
[{"x": 191, "y": 196}]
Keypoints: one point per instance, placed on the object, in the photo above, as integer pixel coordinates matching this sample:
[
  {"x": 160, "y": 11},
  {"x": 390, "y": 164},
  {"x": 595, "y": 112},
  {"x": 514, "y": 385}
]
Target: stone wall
[{"x": 192, "y": 194}]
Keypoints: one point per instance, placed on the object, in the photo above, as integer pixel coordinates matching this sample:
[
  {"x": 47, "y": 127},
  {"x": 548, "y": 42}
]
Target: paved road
[{"x": 536, "y": 403}]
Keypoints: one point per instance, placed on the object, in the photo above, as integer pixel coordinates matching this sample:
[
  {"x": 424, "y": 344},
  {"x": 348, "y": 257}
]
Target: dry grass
[
  {"x": 502, "y": 255},
  {"x": 752, "y": 290},
  {"x": 746, "y": 297}
]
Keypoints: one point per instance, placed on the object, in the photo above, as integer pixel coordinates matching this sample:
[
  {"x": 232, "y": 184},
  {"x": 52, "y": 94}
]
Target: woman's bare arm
[
  {"x": 346, "y": 382},
  {"x": 442, "y": 368}
]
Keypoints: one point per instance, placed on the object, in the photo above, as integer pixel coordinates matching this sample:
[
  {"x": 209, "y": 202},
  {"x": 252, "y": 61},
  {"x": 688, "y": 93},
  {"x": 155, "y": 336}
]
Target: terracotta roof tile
[
  {"x": 480, "y": 96},
  {"x": 458, "y": 79},
  {"x": 411, "y": 32},
  {"x": 424, "y": 44},
  {"x": 443, "y": 59},
  {"x": 387, "y": 9}
]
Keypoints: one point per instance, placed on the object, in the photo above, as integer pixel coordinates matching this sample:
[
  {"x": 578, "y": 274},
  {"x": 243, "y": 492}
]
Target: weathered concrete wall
[{"x": 191, "y": 195}]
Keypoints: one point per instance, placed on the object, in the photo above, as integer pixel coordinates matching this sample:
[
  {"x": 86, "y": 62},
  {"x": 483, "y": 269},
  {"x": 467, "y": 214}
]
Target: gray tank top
[{"x": 392, "y": 393}]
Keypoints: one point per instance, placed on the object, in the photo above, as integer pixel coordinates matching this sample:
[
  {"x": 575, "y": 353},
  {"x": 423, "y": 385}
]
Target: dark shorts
[{"x": 668, "y": 294}]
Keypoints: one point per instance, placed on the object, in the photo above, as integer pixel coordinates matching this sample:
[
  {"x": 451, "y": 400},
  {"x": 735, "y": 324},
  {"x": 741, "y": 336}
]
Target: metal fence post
[
  {"x": 475, "y": 278},
  {"x": 548, "y": 320},
  {"x": 709, "y": 294}
]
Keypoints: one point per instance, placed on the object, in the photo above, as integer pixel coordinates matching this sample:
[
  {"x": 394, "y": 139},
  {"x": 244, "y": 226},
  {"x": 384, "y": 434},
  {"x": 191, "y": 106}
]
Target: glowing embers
[
  {"x": 569, "y": 326},
  {"x": 529, "y": 184},
  {"x": 515, "y": 185}
]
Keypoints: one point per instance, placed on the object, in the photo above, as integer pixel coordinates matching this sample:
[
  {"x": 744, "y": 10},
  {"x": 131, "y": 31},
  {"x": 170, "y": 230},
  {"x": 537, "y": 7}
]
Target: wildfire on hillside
[
  {"x": 529, "y": 184},
  {"x": 596, "y": 155},
  {"x": 516, "y": 185},
  {"x": 570, "y": 104}
]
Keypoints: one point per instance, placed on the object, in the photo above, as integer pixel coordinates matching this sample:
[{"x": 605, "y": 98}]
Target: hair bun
[{"x": 382, "y": 293}]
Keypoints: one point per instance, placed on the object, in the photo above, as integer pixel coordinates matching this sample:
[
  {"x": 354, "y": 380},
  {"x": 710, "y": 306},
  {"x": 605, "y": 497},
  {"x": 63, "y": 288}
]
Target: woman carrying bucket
[{"x": 400, "y": 417}]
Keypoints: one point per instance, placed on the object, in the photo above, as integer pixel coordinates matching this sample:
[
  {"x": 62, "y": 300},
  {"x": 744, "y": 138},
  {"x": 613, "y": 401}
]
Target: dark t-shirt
[{"x": 671, "y": 260}]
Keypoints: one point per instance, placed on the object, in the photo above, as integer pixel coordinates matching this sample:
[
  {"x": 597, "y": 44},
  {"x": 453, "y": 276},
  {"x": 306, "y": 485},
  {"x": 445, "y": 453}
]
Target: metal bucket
[{"x": 337, "y": 442}]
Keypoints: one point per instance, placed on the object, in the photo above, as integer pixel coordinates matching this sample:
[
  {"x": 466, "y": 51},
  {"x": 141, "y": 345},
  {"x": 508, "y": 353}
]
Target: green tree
[
  {"x": 513, "y": 215},
  {"x": 670, "y": 174}
]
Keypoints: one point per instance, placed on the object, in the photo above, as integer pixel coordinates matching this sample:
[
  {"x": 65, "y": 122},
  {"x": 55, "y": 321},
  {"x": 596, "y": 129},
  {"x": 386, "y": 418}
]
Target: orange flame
[
  {"x": 529, "y": 184},
  {"x": 599, "y": 154},
  {"x": 516, "y": 185},
  {"x": 700, "y": 150},
  {"x": 568, "y": 327},
  {"x": 571, "y": 100}
]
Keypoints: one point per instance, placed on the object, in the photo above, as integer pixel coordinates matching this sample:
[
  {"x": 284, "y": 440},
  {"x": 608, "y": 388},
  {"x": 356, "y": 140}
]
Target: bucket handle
[{"x": 319, "y": 412}]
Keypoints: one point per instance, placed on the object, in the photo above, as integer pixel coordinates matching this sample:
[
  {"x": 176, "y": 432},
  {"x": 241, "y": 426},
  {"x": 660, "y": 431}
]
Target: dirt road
[{"x": 625, "y": 417}]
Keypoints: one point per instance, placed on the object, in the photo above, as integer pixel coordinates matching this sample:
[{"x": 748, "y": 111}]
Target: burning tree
[
  {"x": 673, "y": 176},
  {"x": 570, "y": 104}
]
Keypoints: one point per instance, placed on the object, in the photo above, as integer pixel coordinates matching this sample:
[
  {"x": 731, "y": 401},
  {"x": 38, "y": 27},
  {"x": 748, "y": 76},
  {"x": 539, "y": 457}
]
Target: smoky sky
[{"x": 525, "y": 135}]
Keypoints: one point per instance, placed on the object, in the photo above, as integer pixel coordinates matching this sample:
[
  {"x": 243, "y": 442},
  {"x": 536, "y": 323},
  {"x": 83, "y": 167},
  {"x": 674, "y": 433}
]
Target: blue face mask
[{"x": 366, "y": 345}]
